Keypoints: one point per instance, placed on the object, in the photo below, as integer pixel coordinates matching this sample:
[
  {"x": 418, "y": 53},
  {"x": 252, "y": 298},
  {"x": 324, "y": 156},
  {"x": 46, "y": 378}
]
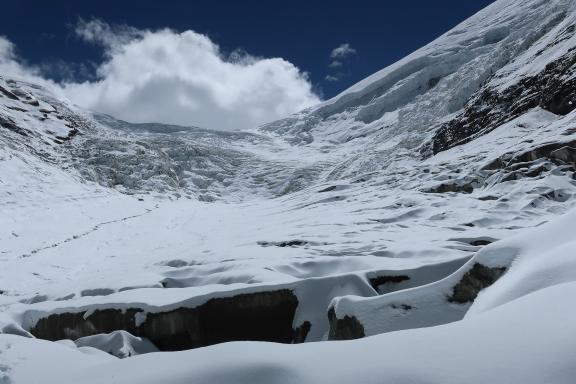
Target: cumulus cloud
[
  {"x": 184, "y": 78},
  {"x": 178, "y": 78}
]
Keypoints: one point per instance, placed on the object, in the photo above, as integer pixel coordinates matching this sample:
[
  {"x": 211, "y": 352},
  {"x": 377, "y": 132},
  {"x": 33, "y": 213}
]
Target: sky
[{"x": 219, "y": 64}]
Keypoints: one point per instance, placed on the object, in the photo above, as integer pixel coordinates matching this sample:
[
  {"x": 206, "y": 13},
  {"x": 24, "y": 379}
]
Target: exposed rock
[
  {"x": 558, "y": 153},
  {"x": 403, "y": 307},
  {"x": 554, "y": 89},
  {"x": 301, "y": 332},
  {"x": 97, "y": 292},
  {"x": 453, "y": 187},
  {"x": 488, "y": 198},
  {"x": 328, "y": 189},
  {"x": 475, "y": 280},
  {"x": 73, "y": 326},
  {"x": 71, "y": 133},
  {"x": 480, "y": 242},
  {"x": 8, "y": 94},
  {"x": 260, "y": 316},
  {"x": 11, "y": 125},
  {"x": 347, "y": 328},
  {"x": 333, "y": 188},
  {"x": 378, "y": 281},
  {"x": 566, "y": 154},
  {"x": 283, "y": 244}
]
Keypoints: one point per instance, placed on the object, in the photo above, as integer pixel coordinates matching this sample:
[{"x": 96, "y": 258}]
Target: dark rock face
[
  {"x": 7, "y": 93},
  {"x": 557, "y": 153},
  {"x": 554, "y": 89},
  {"x": 347, "y": 328},
  {"x": 328, "y": 189},
  {"x": 480, "y": 243},
  {"x": 457, "y": 188},
  {"x": 8, "y": 123},
  {"x": 301, "y": 332},
  {"x": 284, "y": 244},
  {"x": 264, "y": 316},
  {"x": 378, "y": 281},
  {"x": 261, "y": 316},
  {"x": 475, "y": 280},
  {"x": 74, "y": 326}
]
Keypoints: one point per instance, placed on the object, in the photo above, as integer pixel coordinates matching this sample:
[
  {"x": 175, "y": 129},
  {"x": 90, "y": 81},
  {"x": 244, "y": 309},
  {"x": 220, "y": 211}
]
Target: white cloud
[
  {"x": 342, "y": 51},
  {"x": 335, "y": 64},
  {"x": 179, "y": 78},
  {"x": 111, "y": 37},
  {"x": 8, "y": 63},
  {"x": 183, "y": 78},
  {"x": 12, "y": 66},
  {"x": 338, "y": 57}
]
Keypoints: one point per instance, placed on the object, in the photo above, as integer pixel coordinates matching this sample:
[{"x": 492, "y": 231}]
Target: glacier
[{"x": 426, "y": 212}]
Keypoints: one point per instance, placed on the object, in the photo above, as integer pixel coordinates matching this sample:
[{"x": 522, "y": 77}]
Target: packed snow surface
[{"x": 428, "y": 210}]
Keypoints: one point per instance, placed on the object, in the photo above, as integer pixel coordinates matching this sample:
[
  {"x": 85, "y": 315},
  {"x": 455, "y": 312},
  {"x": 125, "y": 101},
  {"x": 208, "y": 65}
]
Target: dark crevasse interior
[
  {"x": 346, "y": 328},
  {"x": 261, "y": 316}
]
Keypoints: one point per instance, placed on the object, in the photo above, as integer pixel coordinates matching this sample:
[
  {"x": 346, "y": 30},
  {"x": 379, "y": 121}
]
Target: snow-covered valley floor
[{"x": 428, "y": 211}]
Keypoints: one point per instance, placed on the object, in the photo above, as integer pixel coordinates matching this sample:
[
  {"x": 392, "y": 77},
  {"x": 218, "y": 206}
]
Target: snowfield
[{"x": 427, "y": 212}]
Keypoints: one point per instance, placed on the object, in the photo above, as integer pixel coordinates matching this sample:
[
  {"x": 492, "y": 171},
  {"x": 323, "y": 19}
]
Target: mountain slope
[{"x": 419, "y": 197}]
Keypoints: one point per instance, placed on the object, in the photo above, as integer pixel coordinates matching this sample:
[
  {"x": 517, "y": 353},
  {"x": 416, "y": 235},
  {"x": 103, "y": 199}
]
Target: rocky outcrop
[
  {"x": 554, "y": 89},
  {"x": 7, "y": 93},
  {"x": 480, "y": 242},
  {"x": 76, "y": 325},
  {"x": 288, "y": 243},
  {"x": 378, "y": 281},
  {"x": 260, "y": 316},
  {"x": 301, "y": 332},
  {"x": 346, "y": 328},
  {"x": 6, "y": 122},
  {"x": 557, "y": 153},
  {"x": 452, "y": 187},
  {"x": 475, "y": 280}
]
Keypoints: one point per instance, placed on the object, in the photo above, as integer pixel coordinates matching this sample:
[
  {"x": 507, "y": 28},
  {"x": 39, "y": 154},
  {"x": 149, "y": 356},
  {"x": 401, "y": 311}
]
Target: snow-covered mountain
[{"x": 434, "y": 198}]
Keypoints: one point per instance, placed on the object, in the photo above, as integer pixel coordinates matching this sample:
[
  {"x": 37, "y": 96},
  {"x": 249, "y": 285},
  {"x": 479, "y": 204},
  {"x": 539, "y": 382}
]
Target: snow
[
  {"x": 25, "y": 360},
  {"x": 509, "y": 344},
  {"x": 545, "y": 258},
  {"x": 158, "y": 218},
  {"x": 120, "y": 344}
]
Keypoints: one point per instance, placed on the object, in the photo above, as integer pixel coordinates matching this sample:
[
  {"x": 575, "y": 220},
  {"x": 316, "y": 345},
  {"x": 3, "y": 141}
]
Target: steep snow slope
[
  {"x": 418, "y": 197},
  {"x": 389, "y": 116}
]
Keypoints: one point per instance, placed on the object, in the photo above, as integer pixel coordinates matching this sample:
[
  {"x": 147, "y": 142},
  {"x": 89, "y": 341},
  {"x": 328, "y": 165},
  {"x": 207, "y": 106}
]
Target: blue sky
[{"x": 302, "y": 32}]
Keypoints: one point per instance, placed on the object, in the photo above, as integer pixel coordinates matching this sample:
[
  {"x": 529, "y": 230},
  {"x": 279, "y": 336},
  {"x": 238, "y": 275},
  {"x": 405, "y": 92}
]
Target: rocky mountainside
[{"x": 434, "y": 198}]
